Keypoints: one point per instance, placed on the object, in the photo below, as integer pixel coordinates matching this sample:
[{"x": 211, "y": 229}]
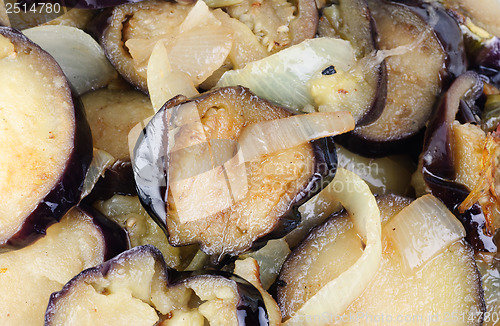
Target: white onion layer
[
  {"x": 282, "y": 77},
  {"x": 101, "y": 161},
  {"x": 422, "y": 230},
  {"x": 270, "y": 136},
  {"x": 354, "y": 194},
  {"x": 91, "y": 69},
  {"x": 163, "y": 83}
]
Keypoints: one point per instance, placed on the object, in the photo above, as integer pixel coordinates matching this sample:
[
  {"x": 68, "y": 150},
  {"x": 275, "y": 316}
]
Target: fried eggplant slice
[
  {"x": 231, "y": 36},
  {"x": 421, "y": 294},
  {"x": 111, "y": 114},
  {"x": 46, "y": 143},
  {"x": 136, "y": 288},
  {"x": 216, "y": 197},
  {"x": 352, "y": 20},
  {"x": 412, "y": 88},
  {"x": 439, "y": 162},
  {"x": 29, "y": 275}
]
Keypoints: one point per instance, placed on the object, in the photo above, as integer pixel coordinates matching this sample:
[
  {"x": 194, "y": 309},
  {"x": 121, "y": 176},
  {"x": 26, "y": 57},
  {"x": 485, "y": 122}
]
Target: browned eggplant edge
[{"x": 66, "y": 192}]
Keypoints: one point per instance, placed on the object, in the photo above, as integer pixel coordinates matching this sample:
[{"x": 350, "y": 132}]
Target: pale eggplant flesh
[
  {"x": 267, "y": 210},
  {"x": 335, "y": 245},
  {"x": 30, "y": 274},
  {"x": 357, "y": 25},
  {"x": 151, "y": 293},
  {"x": 284, "y": 23},
  {"x": 46, "y": 141},
  {"x": 431, "y": 35}
]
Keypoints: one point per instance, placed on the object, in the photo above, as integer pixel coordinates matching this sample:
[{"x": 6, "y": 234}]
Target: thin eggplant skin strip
[{"x": 355, "y": 195}]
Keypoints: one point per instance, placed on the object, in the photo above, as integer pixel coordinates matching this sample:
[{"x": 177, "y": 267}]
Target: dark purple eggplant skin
[
  {"x": 360, "y": 9},
  {"x": 66, "y": 193},
  {"x": 448, "y": 32},
  {"x": 251, "y": 308},
  {"x": 450, "y": 36},
  {"x": 439, "y": 172},
  {"x": 115, "y": 237},
  {"x": 117, "y": 180},
  {"x": 150, "y": 175}
]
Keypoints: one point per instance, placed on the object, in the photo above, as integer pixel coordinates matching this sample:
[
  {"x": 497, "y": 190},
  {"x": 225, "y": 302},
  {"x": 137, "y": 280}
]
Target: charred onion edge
[{"x": 66, "y": 192}]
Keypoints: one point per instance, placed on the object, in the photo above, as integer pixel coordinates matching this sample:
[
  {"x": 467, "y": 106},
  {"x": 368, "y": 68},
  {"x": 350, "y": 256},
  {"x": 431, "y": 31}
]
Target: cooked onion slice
[
  {"x": 91, "y": 71},
  {"x": 355, "y": 196},
  {"x": 163, "y": 83},
  {"x": 270, "y": 136},
  {"x": 282, "y": 77},
  {"x": 101, "y": 161},
  {"x": 422, "y": 230},
  {"x": 197, "y": 48}
]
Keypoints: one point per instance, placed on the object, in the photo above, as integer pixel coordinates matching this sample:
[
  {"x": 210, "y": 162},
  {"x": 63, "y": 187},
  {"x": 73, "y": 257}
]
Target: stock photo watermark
[{"x": 421, "y": 318}]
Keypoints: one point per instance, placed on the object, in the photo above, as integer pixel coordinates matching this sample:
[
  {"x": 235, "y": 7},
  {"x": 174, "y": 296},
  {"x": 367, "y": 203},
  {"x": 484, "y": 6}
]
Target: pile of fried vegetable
[{"x": 249, "y": 162}]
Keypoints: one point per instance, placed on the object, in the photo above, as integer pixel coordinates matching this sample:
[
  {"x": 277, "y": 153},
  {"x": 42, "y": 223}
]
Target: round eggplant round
[
  {"x": 46, "y": 141},
  {"x": 192, "y": 177},
  {"x": 29, "y": 275},
  {"x": 136, "y": 288},
  {"x": 230, "y": 38},
  {"x": 422, "y": 295},
  {"x": 412, "y": 88}
]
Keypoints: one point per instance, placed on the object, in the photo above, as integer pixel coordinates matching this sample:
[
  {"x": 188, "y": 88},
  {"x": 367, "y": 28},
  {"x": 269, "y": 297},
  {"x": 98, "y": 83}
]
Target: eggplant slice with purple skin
[
  {"x": 357, "y": 25},
  {"x": 29, "y": 275},
  {"x": 335, "y": 245},
  {"x": 111, "y": 114},
  {"x": 437, "y": 162},
  {"x": 424, "y": 34},
  {"x": 46, "y": 141},
  {"x": 264, "y": 193},
  {"x": 136, "y": 288},
  {"x": 271, "y": 26}
]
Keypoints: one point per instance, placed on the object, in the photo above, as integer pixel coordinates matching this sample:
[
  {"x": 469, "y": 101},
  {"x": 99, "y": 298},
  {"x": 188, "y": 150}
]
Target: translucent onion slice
[
  {"x": 282, "y": 77},
  {"x": 354, "y": 194},
  {"x": 422, "y": 230},
  {"x": 101, "y": 161},
  {"x": 201, "y": 51},
  {"x": 198, "y": 47},
  {"x": 163, "y": 83},
  {"x": 91, "y": 71},
  {"x": 270, "y": 136}
]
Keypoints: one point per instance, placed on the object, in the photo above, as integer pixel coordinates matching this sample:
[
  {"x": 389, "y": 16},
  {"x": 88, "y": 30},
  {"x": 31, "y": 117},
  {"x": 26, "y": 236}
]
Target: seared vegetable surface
[
  {"x": 46, "y": 143},
  {"x": 215, "y": 197},
  {"x": 207, "y": 143},
  {"x": 136, "y": 288}
]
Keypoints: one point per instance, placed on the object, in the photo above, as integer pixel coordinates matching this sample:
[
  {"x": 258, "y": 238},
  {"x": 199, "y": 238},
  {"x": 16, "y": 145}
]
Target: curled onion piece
[
  {"x": 91, "y": 71},
  {"x": 163, "y": 83},
  {"x": 101, "y": 161},
  {"x": 422, "y": 230},
  {"x": 355, "y": 196}
]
